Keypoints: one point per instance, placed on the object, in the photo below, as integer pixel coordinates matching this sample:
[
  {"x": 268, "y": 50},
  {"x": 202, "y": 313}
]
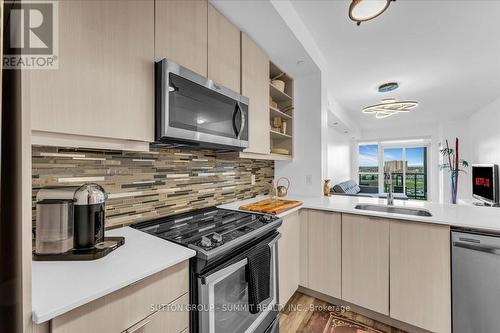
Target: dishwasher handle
[{"x": 480, "y": 248}]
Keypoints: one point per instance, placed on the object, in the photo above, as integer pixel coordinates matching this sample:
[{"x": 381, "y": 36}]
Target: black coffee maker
[
  {"x": 83, "y": 221},
  {"x": 89, "y": 216}
]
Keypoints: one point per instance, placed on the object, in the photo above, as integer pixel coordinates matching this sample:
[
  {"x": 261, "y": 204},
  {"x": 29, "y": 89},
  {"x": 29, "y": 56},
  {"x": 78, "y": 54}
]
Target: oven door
[
  {"x": 223, "y": 298},
  {"x": 198, "y": 110}
]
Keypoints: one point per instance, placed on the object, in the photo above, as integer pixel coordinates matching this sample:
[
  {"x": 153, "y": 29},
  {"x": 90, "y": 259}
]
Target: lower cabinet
[
  {"x": 397, "y": 268},
  {"x": 365, "y": 262},
  {"x": 420, "y": 275},
  {"x": 288, "y": 257},
  {"x": 154, "y": 304},
  {"x": 324, "y": 252}
]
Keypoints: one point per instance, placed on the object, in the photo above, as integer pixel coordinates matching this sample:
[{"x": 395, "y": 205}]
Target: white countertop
[
  {"x": 60, "y": 286},
  {"x": 466, "y": 216}
]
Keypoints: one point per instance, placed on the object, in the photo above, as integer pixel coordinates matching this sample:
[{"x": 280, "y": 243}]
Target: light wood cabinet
[
  {"x": 167, "y": 320},
  {"x": 181, "y": 33},
  {"x": 133, "y": 306},
  {"x": 104, "y": 85},
  {"x": 224, "y": 50},
  {"x": 420, "y": 290},
  {"x": 255, "y": 86},
  {"x": 365, "y": 262},
  {"x": 288, "y": 257},
  {"x": 324, "y": 252}
]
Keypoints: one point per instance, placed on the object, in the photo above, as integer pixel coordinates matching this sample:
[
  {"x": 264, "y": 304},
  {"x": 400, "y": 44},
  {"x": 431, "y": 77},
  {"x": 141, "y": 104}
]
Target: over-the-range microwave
[{"x": 193, "y": 110}]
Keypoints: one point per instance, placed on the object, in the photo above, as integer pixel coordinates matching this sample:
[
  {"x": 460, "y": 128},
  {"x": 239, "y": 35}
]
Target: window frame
[{"x": 403, "y": 144}]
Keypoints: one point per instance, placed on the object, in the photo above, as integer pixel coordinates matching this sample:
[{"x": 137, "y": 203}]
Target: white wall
[
  {"x": 339, "y": 166},
  {"x": 305, "y": 170},
  {"x": 484, "y": 132}
]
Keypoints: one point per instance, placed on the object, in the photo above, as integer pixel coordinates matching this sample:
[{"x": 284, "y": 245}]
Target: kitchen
[{"x": 169, "y": 173}]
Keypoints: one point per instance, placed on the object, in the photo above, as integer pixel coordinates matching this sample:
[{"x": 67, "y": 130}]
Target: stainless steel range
[{"x": 224, "y": 241}]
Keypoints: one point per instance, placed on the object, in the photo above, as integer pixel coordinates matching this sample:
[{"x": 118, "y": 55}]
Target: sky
[{"x": 368, "y": 155}]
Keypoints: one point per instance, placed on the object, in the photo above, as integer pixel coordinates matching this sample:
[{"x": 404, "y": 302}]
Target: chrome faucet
[{"x": 390, "y": 195}]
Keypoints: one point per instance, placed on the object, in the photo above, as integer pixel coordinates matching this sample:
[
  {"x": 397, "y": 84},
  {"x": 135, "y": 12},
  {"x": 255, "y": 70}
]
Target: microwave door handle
[
  {"x": 242, "y": 115},
  {"x": 235, "y": 112}
]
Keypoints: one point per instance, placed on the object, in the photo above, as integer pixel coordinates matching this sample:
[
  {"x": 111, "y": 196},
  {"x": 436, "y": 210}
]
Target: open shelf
[
  {"x": 279, "y": 135},
  {"x": 284, "y": 101},
  {"x": 279, "y": 96},
  {"x": 281, "y": 157},
  {"x": 277, "y": 113}
]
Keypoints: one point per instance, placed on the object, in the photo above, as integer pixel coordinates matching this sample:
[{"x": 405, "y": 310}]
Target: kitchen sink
[{"x": 394, "y": 210}]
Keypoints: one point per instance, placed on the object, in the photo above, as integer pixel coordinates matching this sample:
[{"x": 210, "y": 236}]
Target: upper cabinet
[
  {"x": 224, "y": 50},
  {"x": 104, "y": 85},
  {"x": 255, "y": 86},
  {"x": 181, "y": 33}
]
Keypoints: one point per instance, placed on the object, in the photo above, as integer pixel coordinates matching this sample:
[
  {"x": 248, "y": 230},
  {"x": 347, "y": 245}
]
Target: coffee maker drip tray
[{"x": 98, "y": 251}]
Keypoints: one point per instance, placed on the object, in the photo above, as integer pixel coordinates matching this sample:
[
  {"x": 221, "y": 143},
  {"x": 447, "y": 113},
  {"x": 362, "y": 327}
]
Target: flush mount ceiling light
[
  {"x": 365, "y": 10},
  {"x": 389, "y": 107}
]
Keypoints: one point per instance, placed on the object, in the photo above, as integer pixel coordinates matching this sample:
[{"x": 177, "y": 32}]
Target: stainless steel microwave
[{"x": 191, "y": 109}]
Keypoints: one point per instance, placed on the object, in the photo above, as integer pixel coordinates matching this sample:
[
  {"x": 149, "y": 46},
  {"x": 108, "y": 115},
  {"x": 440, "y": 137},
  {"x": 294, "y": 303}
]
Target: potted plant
[{"x": 455, "y": 165}]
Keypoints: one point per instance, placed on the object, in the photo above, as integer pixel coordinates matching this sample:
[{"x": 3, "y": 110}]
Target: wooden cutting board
[{"x": 271, "y": 206}]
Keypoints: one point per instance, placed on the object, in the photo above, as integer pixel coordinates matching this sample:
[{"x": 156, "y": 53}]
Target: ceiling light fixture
[
  {"x": 390, "y": 106},
  {"x": 387, "y": 87},
  {"x": 365, "y": 10}
]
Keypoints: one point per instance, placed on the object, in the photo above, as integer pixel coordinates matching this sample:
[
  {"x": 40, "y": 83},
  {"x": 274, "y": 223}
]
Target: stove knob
[
  {"x": 205, "y": 241},
  {"x": 266, "y": 218},
  {"x": 217, "y": 238}
]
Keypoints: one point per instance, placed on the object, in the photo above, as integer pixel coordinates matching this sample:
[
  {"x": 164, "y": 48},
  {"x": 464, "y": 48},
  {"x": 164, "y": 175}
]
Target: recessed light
[
  {"x": 335, "y": 123},
  {"x": 200, "y": 121},
  {"x": 300, "y": 62},
  {"x": 345, "y": 132}
]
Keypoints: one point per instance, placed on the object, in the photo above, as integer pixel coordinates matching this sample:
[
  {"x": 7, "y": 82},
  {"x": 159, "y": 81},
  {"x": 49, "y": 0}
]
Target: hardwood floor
[{"x": 306, "y": 314}]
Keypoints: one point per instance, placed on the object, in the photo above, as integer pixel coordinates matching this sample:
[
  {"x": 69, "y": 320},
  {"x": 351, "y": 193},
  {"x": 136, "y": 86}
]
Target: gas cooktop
[{"x": 212, "y": 230}]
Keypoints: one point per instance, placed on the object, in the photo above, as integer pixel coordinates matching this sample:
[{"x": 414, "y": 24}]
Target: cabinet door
[
  {"x": 420, "y": 291},
  {"x": 365, "y": 262},
  {"x": 288, "y": 257},
  {"x": 104, "y": 84},
  {"x": 255, "y": 86},
  {"x": 324, "y": 252},
  {"x": 129, "y": 305},
  {"x": 181, "y": 33},
  {"x": 174, "y": 318},
  {"x": 224, "y": 50}
]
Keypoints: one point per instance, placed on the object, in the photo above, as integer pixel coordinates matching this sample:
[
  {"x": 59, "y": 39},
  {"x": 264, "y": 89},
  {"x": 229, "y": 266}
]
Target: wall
[
  {"x": 484, "y": 133},
  {"x": 305, "y": 170},
  {"x": 144, "y": 186},
  {"x": 338, "y": 156}
]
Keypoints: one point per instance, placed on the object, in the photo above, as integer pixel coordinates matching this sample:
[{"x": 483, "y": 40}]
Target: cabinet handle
[{"x": 138, "y": 326}]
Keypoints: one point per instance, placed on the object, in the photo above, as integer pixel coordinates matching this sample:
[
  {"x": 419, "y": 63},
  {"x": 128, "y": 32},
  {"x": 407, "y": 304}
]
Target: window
[
  {"x": 407, "y": 162},
  {"x": 416, "y": 172},
  {"x": 368, "y": 166}
]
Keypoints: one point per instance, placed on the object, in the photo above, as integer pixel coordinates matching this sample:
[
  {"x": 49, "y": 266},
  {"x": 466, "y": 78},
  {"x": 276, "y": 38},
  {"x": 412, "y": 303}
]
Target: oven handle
[
  {"x": 224, "y": 272},
  {"x": 232, "y": 268}
]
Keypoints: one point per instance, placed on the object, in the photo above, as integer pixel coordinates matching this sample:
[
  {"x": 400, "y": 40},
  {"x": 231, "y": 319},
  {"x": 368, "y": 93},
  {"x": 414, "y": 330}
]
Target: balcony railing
[{"x": 416, "y": 183}]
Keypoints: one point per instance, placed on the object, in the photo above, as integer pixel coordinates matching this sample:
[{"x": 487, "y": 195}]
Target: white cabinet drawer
[{"x": 120, "y": 310}]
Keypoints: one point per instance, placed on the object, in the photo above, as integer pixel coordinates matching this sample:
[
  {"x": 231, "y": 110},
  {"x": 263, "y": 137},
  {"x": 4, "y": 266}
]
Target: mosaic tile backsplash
[{"x": 143, "y": 186}]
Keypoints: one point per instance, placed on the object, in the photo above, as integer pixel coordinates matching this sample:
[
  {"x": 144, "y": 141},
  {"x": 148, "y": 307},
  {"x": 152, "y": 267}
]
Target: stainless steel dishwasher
[{"x": 475, "y": 282}]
